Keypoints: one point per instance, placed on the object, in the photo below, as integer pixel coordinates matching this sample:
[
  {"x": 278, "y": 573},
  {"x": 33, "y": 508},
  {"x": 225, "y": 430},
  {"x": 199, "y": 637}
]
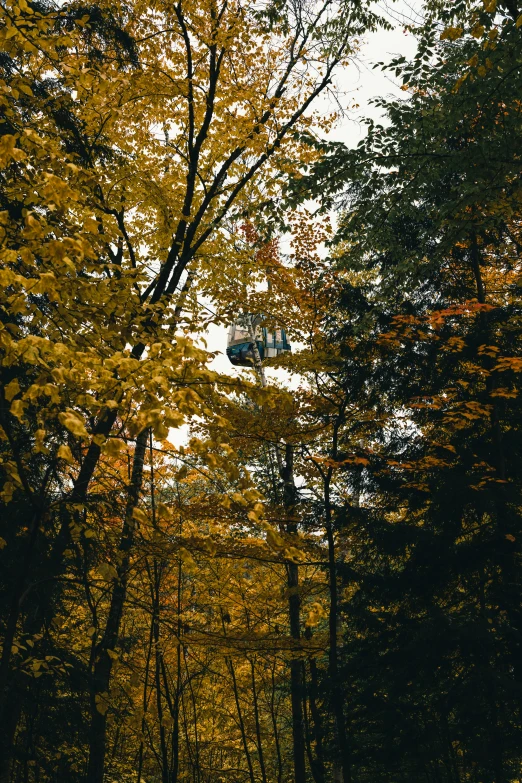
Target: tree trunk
[
  {"x": 145, "y": 700},
  {"x": 103, "y": 665},
  {"x": 273, "y": 715},
  {"x": 174, "y": 703},
  {"x": 155, "y": 580},
  {"x": 317, "y": 762},
  {"x": 197, "y": 765},
  {"x": 258, "y": 725},
  {"x": 336, "y": 688},
  {"x": 230, "y": 666},
  {"x": 342, "y": 761},
  {"x": 294, "y": 610},
  {"x": 286, "y": 471}
]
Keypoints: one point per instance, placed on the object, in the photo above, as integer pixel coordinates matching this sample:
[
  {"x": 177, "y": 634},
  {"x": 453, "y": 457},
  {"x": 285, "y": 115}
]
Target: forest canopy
[{"x": 307, "y": 570}]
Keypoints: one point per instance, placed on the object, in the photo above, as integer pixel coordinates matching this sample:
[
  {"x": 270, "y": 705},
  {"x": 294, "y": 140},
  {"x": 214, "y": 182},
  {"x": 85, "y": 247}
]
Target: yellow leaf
[
  {"x": 460, "y": 81},
  {"x": 107, "y": 572},
  {"x": 187, "y": 560},
  {"x": 139, "y": 516},
  {"x": 25, "y": 88},
  {"x": 64, "y": 452},
  {"x": 294, "y": 554},
  {"x": 519, "y": 21},
  {"x": 73, "y": 423},
  {"x": 8, "y": 151},
  {"x": 113, "y": 447},
  {"x": 452, "y": 33},
  {"x": 161, "y": 432},
  {"x": 239, "y": 499},
  {"x": 164, "y": 511},
  {"x": 11, "y": 390},
  {"x": 274, "y": 539},
  {"x": 39, "y": 438},
  {"x": 102, "y": 704},
  {"x": 173, "y": 419},
  {"x": 17, "y": 409},
  {"x": 315, "y": 615}
]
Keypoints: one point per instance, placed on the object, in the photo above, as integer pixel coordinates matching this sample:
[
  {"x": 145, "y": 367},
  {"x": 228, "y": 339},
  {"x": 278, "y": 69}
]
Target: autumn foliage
[{"x": 303, "y": 572}]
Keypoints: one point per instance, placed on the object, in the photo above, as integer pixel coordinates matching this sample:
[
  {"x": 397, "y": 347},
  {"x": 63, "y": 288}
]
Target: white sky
[{"x": 357, "y": 84}]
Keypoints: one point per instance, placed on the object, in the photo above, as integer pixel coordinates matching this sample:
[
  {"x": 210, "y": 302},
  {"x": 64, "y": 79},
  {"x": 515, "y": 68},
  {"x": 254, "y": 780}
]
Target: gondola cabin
[{"x": 270, "y": 343}]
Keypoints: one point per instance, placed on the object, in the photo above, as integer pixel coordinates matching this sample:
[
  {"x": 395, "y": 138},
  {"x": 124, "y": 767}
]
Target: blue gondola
[{"x": 270, "y": 342}]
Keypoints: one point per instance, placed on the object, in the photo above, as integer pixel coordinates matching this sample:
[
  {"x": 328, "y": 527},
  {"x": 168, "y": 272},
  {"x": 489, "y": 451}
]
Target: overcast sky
[{"x": 358, "y": 84}]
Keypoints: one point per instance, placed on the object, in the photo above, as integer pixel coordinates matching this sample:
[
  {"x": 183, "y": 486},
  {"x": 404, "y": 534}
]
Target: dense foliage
[{"x": 322, "y": 583}]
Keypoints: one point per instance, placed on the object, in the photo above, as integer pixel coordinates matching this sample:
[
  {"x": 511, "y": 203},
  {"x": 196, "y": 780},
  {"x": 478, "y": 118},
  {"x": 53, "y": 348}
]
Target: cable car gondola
[{"x": 240, "y": 343}]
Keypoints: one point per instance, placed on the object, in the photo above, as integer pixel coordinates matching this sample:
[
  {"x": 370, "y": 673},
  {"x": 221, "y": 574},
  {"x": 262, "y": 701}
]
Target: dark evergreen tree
[{"x": 429, "y": 323}]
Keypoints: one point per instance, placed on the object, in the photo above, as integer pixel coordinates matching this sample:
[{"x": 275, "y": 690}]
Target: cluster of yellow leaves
[{"x": 76, "y": 259}]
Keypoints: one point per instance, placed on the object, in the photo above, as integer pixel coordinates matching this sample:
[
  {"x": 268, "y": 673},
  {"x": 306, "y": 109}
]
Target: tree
[
  {"x": 321, "y": 583},
  {"x": 428, "y": 327},
  {"x": 134, "y": 138}
]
